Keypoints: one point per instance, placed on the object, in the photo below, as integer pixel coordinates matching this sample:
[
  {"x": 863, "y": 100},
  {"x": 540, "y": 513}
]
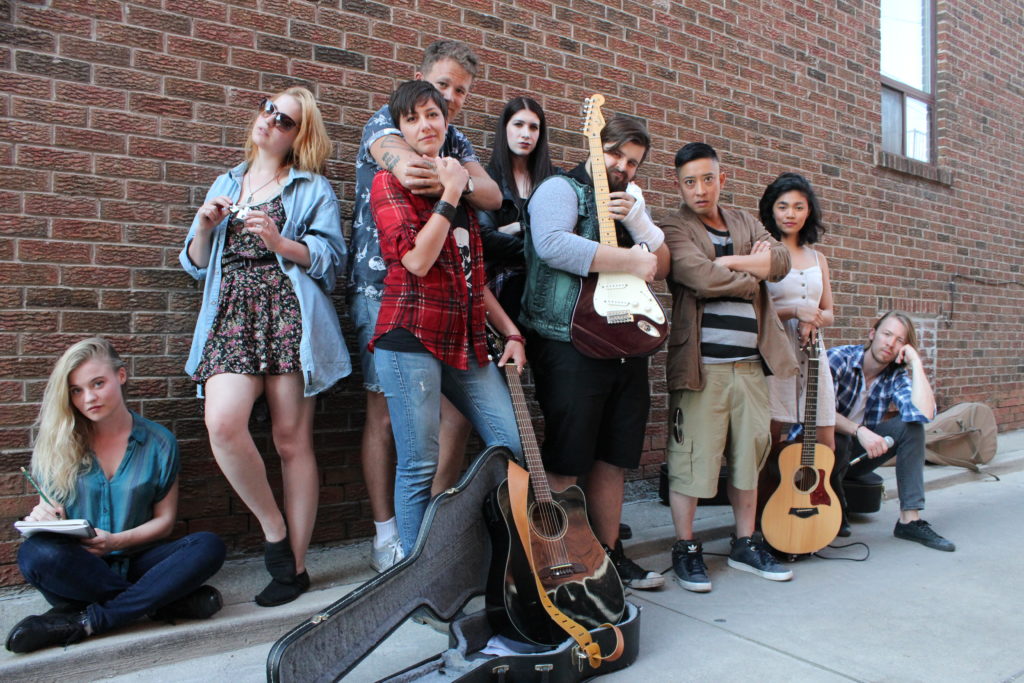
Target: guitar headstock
[
  {"x": 815, "y": 346},
  {"x": 594, "y": 121}
]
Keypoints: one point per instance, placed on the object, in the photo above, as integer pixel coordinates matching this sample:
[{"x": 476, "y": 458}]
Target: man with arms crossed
[
  {"x": 451, "y": 66},
  {"x": 725, "y": 334},
  {"x": 887, "y": 370},
  {"x": 595, "y": 411}
]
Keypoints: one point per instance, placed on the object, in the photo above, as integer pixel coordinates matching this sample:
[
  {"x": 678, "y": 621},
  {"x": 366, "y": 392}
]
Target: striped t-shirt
[{"x": 729, "y": 325}]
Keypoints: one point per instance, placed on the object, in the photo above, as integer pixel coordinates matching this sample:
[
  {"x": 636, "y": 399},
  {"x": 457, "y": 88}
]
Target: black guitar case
[{"x": 447, "y": 567}]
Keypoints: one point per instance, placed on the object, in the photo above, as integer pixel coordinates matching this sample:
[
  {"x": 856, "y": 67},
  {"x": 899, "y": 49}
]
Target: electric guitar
[
  {"x": 617, "y": 315},
  {"x": 576, "y": 573},
  {"x": 804, "y": 513}
]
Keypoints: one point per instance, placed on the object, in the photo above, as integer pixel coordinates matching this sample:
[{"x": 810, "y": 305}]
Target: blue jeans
[
  {"x": 413, "y": 384},
  {"x": 70, "y": 577}
]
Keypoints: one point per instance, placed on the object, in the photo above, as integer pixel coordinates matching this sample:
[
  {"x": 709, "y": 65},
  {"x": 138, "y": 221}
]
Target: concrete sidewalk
[{"x": 906, "y": 609}]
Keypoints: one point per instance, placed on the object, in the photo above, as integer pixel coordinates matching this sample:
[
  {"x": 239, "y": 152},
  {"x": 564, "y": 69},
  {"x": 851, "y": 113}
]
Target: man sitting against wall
[{"x": 886, "y": 370}]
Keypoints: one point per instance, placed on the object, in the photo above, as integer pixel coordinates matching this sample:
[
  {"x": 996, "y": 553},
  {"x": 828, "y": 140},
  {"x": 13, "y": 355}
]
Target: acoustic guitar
[
  {"x": 576, "y": 573},
  {"x": 803, "y": 514},
  {"x": 617, "y": 315}
]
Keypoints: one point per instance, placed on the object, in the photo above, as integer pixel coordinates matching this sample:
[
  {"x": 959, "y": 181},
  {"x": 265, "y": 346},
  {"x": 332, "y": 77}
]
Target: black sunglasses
[{"x": 278, "y": 119}]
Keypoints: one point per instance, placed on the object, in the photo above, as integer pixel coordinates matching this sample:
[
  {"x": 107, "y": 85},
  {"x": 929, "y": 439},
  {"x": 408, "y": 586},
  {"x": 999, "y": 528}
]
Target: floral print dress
[{"x": 259, "y": 324}]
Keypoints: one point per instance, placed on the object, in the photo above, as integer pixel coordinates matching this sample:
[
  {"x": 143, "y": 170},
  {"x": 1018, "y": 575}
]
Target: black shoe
[
  {"x": 44, "y": 630},
  {"x": 280, "y": 592},
  {"x": 688, "y": 564},
  {"x": 279, "y": 560},
  {"x": 625, "y": 532},
  {"x": 922, "y": 532},
  {"x": 631, "y": 574},
  {"x": 844, "y": 529},
  {"x": 202, "y": 603},
  {"x": 752, "y": 557}
]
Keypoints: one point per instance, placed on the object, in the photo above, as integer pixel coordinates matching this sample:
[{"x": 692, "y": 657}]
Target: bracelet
[
  {"x": 445, "y": 210},
  {"x": 516, "y": 337}
]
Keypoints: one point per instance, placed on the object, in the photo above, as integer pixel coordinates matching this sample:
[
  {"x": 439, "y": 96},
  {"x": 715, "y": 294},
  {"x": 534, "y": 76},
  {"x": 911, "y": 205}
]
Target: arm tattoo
[{"x": 390, "y": 161}]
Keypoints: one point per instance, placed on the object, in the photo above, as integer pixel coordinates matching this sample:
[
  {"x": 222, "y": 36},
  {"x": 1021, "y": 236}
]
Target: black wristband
[{"x": 443, "y": 208}]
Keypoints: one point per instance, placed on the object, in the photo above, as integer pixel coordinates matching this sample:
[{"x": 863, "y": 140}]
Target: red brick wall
[{"x": 115, "y": 116}]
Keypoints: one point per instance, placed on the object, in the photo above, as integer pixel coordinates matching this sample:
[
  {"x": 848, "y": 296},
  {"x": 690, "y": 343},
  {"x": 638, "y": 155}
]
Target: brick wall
[{"x": 115, "y": 116}]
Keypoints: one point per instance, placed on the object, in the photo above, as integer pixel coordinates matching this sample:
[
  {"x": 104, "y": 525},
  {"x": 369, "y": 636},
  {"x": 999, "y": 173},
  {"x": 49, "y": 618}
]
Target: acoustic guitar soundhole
[
  {"x": 805, "y": 479},
  {"x": 548, "y": 520}
]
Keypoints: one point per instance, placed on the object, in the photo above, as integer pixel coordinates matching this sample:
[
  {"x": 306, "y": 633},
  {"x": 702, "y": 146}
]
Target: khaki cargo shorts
[{"x": 729, "y": 418}]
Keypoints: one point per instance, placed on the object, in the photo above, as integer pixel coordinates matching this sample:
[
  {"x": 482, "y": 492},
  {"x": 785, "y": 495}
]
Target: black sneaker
[
  {"x": 53, "y": 628},
  {"x": 202, "y": 603},
  {"x": 922, "y": 532},
  {"x": 632, "y": 574},
  {"x": 688, "y": 564},
  {"x": 752, "y": 557}
]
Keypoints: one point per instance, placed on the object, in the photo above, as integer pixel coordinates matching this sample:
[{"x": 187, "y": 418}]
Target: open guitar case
[{"x": 447, "y": 567}]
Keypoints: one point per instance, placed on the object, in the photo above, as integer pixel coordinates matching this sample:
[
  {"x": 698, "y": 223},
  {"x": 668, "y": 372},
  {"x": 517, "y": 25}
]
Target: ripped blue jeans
[{"x": 413, "y": 384}]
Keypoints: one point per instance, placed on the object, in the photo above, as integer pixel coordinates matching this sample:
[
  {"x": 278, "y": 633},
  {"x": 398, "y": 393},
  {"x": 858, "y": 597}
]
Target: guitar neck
[
  {"x": 599, "y": 173},
  {"x": 811, "y": 408},
  {"x": 534, "y": 464}
]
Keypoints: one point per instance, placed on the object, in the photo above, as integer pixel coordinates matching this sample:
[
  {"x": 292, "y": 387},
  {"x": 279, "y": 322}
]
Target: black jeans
[{"x": 908, "y": 449}]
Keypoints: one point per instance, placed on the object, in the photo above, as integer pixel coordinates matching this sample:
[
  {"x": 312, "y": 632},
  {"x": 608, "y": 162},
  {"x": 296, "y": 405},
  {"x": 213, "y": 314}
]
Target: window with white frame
[{"x": 907, "y": 62}]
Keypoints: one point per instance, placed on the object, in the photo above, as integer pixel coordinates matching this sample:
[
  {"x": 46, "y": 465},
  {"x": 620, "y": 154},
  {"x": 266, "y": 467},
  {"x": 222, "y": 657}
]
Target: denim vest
[{"x": 550, "y": 294}]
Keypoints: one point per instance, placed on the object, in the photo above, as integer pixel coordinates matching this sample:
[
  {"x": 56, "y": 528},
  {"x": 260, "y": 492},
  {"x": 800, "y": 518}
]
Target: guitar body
[
  {"x": 617, "y": 315},
  {"x": 804, "y": 514},
  {"x": 574, "y": 569}
]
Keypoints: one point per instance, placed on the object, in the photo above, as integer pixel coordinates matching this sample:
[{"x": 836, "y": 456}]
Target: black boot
[
  {"x": 202, "y": 603},
  {"x": 285, "y": 584},
  {"x": 53, "y": 628}
]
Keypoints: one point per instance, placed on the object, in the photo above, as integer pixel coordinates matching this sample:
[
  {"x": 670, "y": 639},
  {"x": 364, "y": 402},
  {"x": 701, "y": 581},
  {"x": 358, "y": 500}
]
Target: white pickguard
[{"x": 620, "y": 296}]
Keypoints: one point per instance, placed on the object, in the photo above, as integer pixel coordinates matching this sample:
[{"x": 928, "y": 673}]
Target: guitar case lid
[{"x": 447, "y": 567}]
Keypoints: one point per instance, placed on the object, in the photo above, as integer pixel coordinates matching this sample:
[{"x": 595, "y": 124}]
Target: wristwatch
[{"x": 469, "y": 186}]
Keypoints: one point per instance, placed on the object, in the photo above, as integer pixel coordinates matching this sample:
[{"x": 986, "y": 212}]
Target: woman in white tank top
[{"x": 803, "y": 300}]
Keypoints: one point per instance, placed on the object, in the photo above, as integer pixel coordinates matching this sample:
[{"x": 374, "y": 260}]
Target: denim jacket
[{"x": 312, "y": 214}]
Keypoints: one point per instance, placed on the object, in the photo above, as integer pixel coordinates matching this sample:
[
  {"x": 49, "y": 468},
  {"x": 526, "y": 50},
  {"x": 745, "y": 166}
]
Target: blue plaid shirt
[{"x": 892, "y": 387}]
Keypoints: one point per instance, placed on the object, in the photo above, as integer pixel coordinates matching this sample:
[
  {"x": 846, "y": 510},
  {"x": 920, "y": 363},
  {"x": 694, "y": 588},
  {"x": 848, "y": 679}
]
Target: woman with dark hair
[
  {"x": 429, "y": 340},
  {"x": 803, "y": 299},
  {"x": 519, "y": 162},
  {"x": 267, "y": 245}
]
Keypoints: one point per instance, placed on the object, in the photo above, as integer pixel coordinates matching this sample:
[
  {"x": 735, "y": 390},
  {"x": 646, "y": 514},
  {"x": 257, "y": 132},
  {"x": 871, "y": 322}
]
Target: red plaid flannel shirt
[{"x": 435, "y": 308}]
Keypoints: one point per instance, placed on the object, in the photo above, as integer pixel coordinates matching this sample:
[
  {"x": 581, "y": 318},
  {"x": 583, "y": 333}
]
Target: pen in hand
[{"x": 39, "y": 490}]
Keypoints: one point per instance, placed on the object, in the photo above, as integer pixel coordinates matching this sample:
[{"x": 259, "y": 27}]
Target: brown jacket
[{"x": 695, "y": 277}]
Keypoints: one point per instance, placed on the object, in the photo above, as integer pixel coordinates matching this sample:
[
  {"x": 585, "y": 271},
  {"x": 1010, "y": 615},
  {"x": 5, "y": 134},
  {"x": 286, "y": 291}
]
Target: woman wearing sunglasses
[{"x": 267, "y": 244}]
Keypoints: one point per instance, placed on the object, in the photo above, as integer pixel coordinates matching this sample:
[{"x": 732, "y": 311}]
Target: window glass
[
  {"x": 892, "y": 120},
  {"x": 905, "y": 50},
  {"x": 917, "y": 129}
]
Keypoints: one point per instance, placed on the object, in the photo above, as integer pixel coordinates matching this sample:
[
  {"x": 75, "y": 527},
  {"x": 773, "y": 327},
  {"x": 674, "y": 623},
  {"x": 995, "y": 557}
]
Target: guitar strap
[{"x": 518, "y": 485}]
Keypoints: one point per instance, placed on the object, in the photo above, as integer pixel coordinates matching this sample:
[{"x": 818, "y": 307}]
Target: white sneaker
[{"x": 386, "y": 556}]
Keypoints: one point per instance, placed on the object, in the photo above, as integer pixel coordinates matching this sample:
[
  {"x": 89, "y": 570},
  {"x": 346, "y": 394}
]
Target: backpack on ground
[{"x": 964, "y": 435}]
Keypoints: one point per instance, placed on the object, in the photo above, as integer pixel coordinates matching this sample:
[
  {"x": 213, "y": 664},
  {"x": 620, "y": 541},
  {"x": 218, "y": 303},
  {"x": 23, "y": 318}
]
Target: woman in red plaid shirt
[{"x": 429, "y": 338}]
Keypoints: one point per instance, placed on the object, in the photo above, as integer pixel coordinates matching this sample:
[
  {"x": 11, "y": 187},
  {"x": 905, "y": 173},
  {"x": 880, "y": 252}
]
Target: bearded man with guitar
[
  {"x": 886, "y": 371},
  {"x": 725, "y": 337},
  {"x": 595, "y": 409}
]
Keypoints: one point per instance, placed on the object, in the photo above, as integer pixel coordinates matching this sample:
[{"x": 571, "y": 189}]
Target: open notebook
[{"x": 69, "y": 527}]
